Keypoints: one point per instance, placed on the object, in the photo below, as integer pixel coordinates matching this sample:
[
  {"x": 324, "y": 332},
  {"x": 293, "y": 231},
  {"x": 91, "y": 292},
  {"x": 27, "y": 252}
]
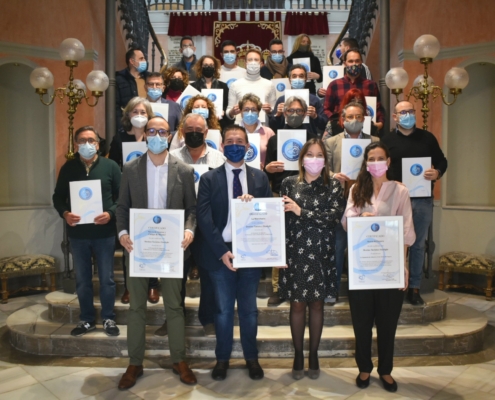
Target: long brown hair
[
  {"x": 325, "y": 172},
  {"x": 198, "y": 67},
  {"x": 363, "y": 188}
]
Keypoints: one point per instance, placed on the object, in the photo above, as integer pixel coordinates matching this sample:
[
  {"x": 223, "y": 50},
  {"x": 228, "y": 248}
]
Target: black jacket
[{"x": 126, "y": 89}]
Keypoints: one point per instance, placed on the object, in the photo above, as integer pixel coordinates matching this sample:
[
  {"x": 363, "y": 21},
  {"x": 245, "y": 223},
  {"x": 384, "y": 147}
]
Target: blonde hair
[
  {"x": 298, "y": 41},
  {"x": 133, "y": 103}
]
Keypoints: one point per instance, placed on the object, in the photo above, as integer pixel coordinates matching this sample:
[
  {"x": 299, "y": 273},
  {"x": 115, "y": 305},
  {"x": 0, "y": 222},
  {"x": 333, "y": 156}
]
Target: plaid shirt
[{"x": 338, "y": 88}]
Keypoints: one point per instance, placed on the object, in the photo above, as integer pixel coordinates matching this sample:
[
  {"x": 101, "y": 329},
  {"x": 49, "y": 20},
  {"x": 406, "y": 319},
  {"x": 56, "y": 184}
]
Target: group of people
[{"x": 317, "y": 199}]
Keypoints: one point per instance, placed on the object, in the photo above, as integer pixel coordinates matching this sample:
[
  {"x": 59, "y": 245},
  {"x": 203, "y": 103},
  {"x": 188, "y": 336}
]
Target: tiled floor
[{"x": 26, "y": 377}]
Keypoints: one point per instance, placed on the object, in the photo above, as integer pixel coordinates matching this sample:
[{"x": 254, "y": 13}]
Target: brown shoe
[
  {"x": 125, "y": 297},
  {"x": 153, "y": 296},
  {"x": 185, "y": 373},
  {"x": 163, "y": 330},
  {"x": 194, "y": 273},
  {"x": 130, "y": 377}
]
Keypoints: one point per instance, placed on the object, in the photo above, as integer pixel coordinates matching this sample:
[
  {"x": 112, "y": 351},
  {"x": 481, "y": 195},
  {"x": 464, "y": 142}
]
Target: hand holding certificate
[
  {"x": 258, "y": 233},
  {"x": 86, "y": 201},
  {"x": 376, "y": 252}
]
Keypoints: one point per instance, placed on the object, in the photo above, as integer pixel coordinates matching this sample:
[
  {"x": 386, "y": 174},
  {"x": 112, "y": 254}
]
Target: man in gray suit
[
  {"x": 156, "y": 180},
  {"x": 353, "y": 116}
]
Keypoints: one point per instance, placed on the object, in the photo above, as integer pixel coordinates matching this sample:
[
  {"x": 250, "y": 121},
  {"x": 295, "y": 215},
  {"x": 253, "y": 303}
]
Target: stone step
[
  {"x": 32, "y": 331},
  {"x": 64, "y": 308}
]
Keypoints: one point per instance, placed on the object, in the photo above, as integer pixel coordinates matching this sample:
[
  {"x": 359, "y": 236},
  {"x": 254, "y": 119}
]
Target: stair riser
[{"x": 205, "y": 347}]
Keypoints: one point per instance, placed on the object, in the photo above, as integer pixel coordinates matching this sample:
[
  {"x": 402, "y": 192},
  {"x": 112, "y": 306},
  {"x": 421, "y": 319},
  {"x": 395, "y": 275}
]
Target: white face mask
[
  {"x": 139, "y": 121},
  {"x": 187, "y": 52},
  {"x": 253, "y": 68}
]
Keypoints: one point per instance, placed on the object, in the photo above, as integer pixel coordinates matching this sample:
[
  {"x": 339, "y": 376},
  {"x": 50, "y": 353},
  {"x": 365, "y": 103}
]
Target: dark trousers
[
  {"x": 206, "y": 312},
  {"x": 381, "y": 307}
]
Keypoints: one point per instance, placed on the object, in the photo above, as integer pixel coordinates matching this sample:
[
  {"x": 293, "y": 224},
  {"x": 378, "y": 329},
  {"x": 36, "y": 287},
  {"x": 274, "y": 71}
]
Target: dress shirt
[
  {"x": 156, "y": 181},
  {"x": 213, "y": 158},
  {"x": 339, "y": 87},
  {"x": 227, "y": 232}
]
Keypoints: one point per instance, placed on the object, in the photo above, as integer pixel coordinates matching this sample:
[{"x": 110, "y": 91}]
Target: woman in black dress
[{"x": 314, "y": 205}]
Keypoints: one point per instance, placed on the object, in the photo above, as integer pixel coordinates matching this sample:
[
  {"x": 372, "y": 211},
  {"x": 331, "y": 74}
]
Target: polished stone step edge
[
  {"x": 31, "y": 331},
  {"x": 64, "y": 307}
]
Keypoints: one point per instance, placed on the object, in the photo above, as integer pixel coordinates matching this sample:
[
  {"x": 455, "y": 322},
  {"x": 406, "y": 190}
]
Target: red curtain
[
  {"x": 192, "y": 24},
  {"x": 306, "y": 22}
]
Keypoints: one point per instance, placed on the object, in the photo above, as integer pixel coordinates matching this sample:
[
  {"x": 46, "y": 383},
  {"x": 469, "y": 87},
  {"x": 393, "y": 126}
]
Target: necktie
[{"x": 237, "y": 183}]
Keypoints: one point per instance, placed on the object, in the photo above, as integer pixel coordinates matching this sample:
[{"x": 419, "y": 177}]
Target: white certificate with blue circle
[
  {"x": 281, "y": 85},
  {"x": 214, "y": 139},
  {"x": 258, "y": 233},
  {"x": 413, "y": 171},
  {"x": 352, "y": 156},
  {"x": 199, "y": 169},
  {"x": 253, "y": 155},
  {"x": 376, "y": 252},
  {"x": 216, "y": 97},
  {"x": 289, "y": 144},
  {"x": 332, "y": 72},
  {"x": 133, "y": 150},
  {"x": 157, "y": 236},
  {"x": 188, "y": 93},
  {"x": 85, "y": 200}
]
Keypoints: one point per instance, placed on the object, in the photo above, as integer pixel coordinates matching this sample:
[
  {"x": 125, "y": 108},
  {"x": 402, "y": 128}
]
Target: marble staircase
[{"x": 437, "y": 328}]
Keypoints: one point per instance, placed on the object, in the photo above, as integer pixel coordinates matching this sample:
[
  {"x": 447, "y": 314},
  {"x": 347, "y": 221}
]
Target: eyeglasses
[
  {"x": 154, "y": 85},
  {"x": 84, "y": 141},
  {"x": 185, "y": 46},
  {"x": 253, "y": 110},
  {"x": 153, "y": 132},
  {"x": 298, "y": 111},
  {"x": 351, "y": 117},
  {"x": 278, "y": 52},
  {"x": 405, "y": 112}
]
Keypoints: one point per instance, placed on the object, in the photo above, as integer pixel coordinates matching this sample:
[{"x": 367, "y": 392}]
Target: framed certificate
[
  {"x": 156, "y": 237},
  {"x": 258, "y": 233},
  {"x": 376, "y": 252},
  {"x": 85, "y": 200}
]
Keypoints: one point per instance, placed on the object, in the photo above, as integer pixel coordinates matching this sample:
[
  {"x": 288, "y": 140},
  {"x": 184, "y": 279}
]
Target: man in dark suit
[
  {"x": 234, "y": 179},
  {"x": 156, "y": 180}
]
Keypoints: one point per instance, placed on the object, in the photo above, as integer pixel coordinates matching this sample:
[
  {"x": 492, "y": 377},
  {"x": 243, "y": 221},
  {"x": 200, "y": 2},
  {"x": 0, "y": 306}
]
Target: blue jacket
[{"x": 212, "y": 209}]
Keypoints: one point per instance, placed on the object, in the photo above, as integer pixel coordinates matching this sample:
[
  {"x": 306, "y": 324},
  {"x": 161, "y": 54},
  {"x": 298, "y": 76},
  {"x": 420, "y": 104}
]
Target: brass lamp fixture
[
  {"x": 426, "y": 48},
  {"x": 72, "y": 51}
]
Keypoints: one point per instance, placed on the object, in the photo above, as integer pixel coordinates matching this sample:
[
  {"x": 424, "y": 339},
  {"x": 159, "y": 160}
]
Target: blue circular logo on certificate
[
  {"x": 356, "y": 151},
  {"x": 212, "y": 96},
  {"x": 371, "y": 113},
  {"x": 251, "y": 154},
  {"x": 157, "y": 219},
  {"x": 185, "y": 99},
  {"x": 196, "y": 176},
  {"x": 230, "y": 82},
  {"x": 211, "y": 144},
  {"x": 134, "y": 154},
  {"x": 416, "y": 169},
  {"x": 375, "y": 227},
  {"x": 85, "y": 193},
  {"x": 281, "y": 87},
  {"x": 257, "y": 207},
  {"x": 291, "y": 149},
  {"x": 333, "y": 74},
  {"x": 306, "y": 67}
]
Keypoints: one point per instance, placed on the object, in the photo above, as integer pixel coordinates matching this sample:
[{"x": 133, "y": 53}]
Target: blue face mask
[
  {"x": 154, "y": 94},
  {"x": 157, "y": 144},
  {"x": 87, "y": 150},
  {"x": 234, "y": 152},
  {"x": 277, "y": 58},
  {"x": 297, "y": 83},
  {"x": 229, "y": 58},
  {"x": 201, "y": 111},
  {"x": 407, "y": 121},
  {"x": 249, "y": 117},
  {"x": 143, "y": 65},
  {"x": 338, "y": 53}
]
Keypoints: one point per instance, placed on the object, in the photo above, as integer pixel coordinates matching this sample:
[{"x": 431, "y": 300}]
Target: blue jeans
[
  {"x": 340, "y": 246},
  {"x": 104, "y": 250},
  {"x": 229, "y": 286},
  {"x": 422, "y": 210}
]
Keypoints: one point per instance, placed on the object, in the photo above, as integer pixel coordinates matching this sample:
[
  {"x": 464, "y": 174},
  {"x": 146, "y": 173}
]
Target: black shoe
[
  {"x": 82, "y": 328},
  {"x": 274, "y": 300},
  {"x": 263, "y": 275},
  {"x": 110, "y": 327},
  {"x": 414, "y": 297},
  {"x": 219, "y": 373},
  {"x": 389, "y": 387},
  {"x": 362, "y": 383},
  {"x": 255, "y": 370}
]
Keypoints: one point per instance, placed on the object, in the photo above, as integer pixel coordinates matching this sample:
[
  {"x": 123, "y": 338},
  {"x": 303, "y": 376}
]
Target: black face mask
[
  {"x": 194, "y": 139},
  {"x": 208, "y": 71},
  {"x": 177, "y": 84},
  {"x": 304, "y": 48}
]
